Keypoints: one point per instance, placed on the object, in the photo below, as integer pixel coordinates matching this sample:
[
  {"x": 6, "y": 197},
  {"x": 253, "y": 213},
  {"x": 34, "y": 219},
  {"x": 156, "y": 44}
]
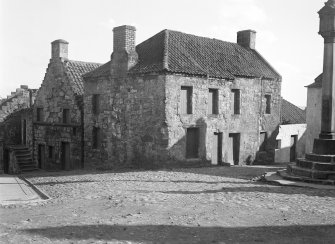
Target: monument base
[{"x": 319, "y": 165}]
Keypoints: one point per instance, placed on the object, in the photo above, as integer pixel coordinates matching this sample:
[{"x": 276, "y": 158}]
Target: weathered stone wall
[
  {"x": 313, "y": 116},
  {"x": 130, "y": 120},
  {"x": 248, "y": 123},
  {"x": 54, "y": 95}
]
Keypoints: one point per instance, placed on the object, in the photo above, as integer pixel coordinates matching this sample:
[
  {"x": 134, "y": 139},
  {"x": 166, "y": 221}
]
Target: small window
[
  {"x": 96, "y": 137},
  {"x": 66, "y": 116},
  {"x": 192, "y": 143},
  {"x": 278, "y": 144},
  {"x": 96, "y": 104},
  {"x": 74, "y": 131},
  {"x": 39, "y": 114},
  {"x": 213, "y": 101},
  {"x": 263, "y": 141},
  {"x": 268, "y": 104},
  {"x": 51, "y": 152},
  {"x": 236, "y": 101},
  {"x": 186, "y": 100}
]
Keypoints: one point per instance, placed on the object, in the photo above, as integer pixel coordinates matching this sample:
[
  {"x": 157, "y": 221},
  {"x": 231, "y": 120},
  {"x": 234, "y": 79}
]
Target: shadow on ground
[{"x": 183, "y": 234}]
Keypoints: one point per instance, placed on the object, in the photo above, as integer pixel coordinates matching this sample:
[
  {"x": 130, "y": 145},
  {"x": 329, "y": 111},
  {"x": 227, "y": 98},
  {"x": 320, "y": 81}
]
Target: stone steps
[
  {"x": 24, "y": 158},
  {"x": 310, "y": 173},
  {"x": 308, "y": 164},
  {"x": 320, "y": 158}
]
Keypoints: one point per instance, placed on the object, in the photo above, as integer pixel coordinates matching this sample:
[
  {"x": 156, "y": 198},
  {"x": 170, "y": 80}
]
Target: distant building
[
  {"x": 291, "y": 138},
  {"x": 58, "y": 112},
  {"x": 313, "y": 112},
  {"x": 181, "y": 98}
]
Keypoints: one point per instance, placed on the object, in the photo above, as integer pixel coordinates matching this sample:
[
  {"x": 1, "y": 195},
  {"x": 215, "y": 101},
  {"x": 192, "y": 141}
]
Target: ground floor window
[{"x": 192, "y": 143}]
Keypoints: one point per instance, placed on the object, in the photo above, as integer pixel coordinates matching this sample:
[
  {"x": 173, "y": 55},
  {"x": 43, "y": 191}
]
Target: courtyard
[{"x": 191, "y": 205}]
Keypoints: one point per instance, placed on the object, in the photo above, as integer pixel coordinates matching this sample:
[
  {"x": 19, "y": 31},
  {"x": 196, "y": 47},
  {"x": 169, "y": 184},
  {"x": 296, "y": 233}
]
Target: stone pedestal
[{"x": 319, "y": 166}]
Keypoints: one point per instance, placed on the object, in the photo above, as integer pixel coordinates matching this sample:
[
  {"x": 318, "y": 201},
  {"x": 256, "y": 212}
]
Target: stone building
[
  {"x": 58, "y": 111},
  {"x": 313, "y": 112},
  {"x": 291, "y": 138},
  {"x": 181, "y": 98}
]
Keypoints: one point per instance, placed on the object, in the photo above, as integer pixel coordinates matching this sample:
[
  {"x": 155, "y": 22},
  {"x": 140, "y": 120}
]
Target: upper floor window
[
  {"x": 268, "y": 104},
  {"x": 66, "y": 116},
  {"x": 236, "y": 101},
  {"x": 96, "y": 104},
  {"x": 39, "y": 114},
  {"x": 213, "y": 101},
  {"x": 186, "y": 100}
]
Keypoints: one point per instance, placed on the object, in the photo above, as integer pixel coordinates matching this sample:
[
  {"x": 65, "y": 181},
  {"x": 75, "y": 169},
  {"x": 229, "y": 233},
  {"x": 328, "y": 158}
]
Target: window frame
[
  {"x": 214, "y": 108},
  {"x": 189, "y": 100},
  {"x": 268, "y": 99},
  {"x": 236, "y": 101}
]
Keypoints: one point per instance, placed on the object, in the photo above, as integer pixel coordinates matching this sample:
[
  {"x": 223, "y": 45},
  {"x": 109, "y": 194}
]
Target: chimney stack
[
  {"x": 247, "y": 38},
  {"x": 59, "y": 49},
  {"x": 124, "y": 55}
]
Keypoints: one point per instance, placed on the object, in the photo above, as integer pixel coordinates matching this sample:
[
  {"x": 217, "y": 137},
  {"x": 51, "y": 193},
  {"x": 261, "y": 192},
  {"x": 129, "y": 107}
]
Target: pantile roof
[
  {"x": 75, "y": 70},
  {"x": 291, "y": 114},
  {"x": 317, "y": 83},
  {"x": 177, "y": 52}
]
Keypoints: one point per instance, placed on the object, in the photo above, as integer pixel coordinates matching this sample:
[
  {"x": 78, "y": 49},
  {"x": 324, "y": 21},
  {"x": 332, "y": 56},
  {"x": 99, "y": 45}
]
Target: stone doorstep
[{"x": 284, "y": 178}]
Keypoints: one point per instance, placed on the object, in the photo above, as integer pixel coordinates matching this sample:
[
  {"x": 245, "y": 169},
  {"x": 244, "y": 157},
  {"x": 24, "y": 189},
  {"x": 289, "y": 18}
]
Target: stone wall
[
  {"x": 130, "y": 120},
  {"x": 141, "y": 124},
  {"x": 313, "y": 116},
  {"x": 248, "y": 123},
  {"x": 54, "y": 95}
]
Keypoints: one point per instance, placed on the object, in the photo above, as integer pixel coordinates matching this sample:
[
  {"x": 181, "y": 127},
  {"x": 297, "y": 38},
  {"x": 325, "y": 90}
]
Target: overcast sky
[{"x": 286, "y": 33}]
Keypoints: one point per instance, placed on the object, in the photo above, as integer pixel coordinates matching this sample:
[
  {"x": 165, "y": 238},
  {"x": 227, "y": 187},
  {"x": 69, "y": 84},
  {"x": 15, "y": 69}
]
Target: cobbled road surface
[{"x": 193, "y": 205}]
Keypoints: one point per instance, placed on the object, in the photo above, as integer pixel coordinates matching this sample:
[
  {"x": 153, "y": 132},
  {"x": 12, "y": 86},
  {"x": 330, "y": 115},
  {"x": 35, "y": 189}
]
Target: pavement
[{"x": 14, "y": 190}]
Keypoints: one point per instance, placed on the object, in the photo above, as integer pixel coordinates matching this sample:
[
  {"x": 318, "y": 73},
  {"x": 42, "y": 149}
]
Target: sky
[{"x": 287, "y": 33}]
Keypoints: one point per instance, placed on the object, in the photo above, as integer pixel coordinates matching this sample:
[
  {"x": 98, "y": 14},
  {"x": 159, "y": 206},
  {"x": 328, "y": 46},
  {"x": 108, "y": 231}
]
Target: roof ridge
[{"x": 85, "y": 62}]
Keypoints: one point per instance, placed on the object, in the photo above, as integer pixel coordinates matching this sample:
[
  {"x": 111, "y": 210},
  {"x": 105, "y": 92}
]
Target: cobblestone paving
[{"x": 196, "y": 205}]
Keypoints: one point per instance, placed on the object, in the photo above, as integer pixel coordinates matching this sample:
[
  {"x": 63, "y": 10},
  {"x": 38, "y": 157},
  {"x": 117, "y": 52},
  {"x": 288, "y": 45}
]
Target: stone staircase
[{"x": 24, "y": 158}]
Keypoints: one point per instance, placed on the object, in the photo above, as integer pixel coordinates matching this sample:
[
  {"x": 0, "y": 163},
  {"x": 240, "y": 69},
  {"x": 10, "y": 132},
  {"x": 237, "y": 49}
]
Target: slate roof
[
  {"x": 75, "y": 70},
  {"x": 291, "y": 114},
  {"x": 317, "y": 83},
  {"x": 177, "y": 52}
]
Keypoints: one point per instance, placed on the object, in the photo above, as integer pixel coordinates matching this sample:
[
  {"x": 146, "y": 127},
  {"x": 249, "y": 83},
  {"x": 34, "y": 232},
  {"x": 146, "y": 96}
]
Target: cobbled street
[{"x": 193, "y": 205}]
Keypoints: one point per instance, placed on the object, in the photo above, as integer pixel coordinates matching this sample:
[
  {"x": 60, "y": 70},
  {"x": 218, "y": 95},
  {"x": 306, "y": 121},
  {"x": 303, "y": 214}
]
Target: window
[
  {"x": 278, "y": 144},
  {"x": 96, "y": 104},
  {"x": 213, "y": 101},
  {"x": 39, "y": 114},
  {"x": 268, "y": 104},
  {"x": 74, "y": 131},
  {"x": 262, "y": 142},
  {"x": 96, "y": 137},
  {"x": 236, "y": 101},
  {"x": 192, "y": 143},
  {"x": 66, "y": 116},
  {"x": 186, "y": 100},
  {"x": 51, "y": 151}
]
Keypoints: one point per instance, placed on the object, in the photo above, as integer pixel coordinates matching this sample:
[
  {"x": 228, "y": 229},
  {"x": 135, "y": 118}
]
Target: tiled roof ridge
[
  {"x": 166, "y": 51},
  {"x": 83, "y": 62}
]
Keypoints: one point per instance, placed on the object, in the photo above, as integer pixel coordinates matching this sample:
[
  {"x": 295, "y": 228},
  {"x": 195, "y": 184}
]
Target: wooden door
[
  {"x": 192, "y": 143},
  {"x": 234, "y": 148},
  {"x": 65, "y": 155},
  {"x": 24, "y": 132},
  {"x": 293, "y": 148},
  {"x": 41, "y": 156},
  {"x": 217, "y": 149}
]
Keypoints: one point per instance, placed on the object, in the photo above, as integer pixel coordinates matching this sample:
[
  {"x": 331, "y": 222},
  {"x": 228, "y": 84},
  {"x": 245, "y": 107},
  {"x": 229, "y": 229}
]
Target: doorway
[
  {"x": 24, "y": 132},
  {"x": 192, "y": 143},
  {"x": 234, "y": 148},
  {"x": 6, "y": 161},
  {"x": 217, "y": 148},
  {"x": 41, "y": 156},
  {"x": 65, "y": 155},
  {"x": 293, "y": 148}
]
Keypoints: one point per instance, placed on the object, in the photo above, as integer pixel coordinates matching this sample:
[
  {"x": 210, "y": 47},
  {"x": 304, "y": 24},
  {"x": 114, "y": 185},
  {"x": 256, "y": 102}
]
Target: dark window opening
[
  {"x": 278, "y": 144},
  {"x": 263, "y": 141},
  {"x": 192, "y": 143},
  {"x": 96, "y": 104},
  {"x": 268, "y": 104},
  {"x": 39, "y": 114},
  {"x": 66, "y": 116},
  {"x": 186, "y": 100},
  {"x": 74, "y": 131},
  {"x": 236, "y": 101},
  {"x": 213, "y": 101},
  {"x": 51, "y": 152},
  {"x": 96, "y": 137}
]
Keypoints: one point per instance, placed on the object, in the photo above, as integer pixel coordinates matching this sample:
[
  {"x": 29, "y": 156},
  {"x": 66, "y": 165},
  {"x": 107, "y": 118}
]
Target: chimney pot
[
  {"x": 59, "y": 49},
  {"x": 247, "y": 38}
]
